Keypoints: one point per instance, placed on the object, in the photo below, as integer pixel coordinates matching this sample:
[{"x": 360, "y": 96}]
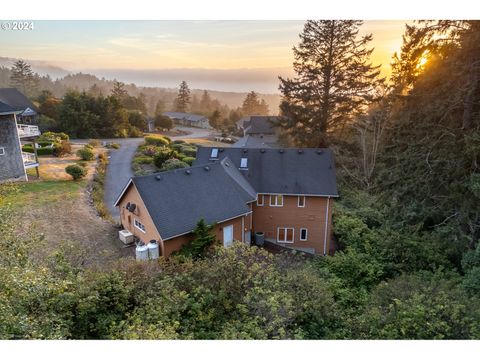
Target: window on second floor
[
  {"x": 260, "y": 199},
  {"x": 276, "y": 200},
  {"x": 301, "y": 201}
]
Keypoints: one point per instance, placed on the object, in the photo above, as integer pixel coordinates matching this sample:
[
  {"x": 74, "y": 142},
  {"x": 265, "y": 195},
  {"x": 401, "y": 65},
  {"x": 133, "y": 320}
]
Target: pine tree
[
  {"x": 214, "y": 119},
  {"x": 206, "y": 102},
  {"x": 334, "y": 80},
  {"x": 182, "y": 101},
  {"x": 159, "y": 107},
  {"x": 252, "y": 105},
  {"x": 23, "y": 78},
  {"x": 119, "y": 91}
]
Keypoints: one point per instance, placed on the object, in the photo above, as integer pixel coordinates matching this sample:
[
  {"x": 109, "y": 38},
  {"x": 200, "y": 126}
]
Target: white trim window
[
  {"x": 260, "y": 200},
  {"x": 2, "y": 151},
  {"x": 303, "y": 234},
  {"x": 276, "y": 200},
  {"x": 285, "y": 235},
  {"x": 139, "y": 225},
  {"x": 301, "y": 201}
]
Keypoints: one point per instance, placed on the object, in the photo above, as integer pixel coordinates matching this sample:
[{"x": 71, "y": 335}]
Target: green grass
[{"x": 37, "y": 193}]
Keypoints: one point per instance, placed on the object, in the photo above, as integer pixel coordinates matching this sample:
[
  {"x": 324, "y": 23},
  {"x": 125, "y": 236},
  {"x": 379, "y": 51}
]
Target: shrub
[
  {"x": 45, "y": 143},
  {"x": 157, "y": 140},
  {"x": 189, "y": 151},
  {"x": 179, "y": 141},
  {"x": 143, "y": 160},
  {"x": 162, "y": 156},
  {"x": 76, "y": 171},
  {"x": 172, "y": 164},
  {"x": 53, "y": 136},
  {"x": 62, "y": 148},
  {"x": 82, "y": 163},
  {"x": 94, "y": 143},
  {"x": 86, "y": 154},
  {"x": 151, "y": 150},
  {"x": 188, "y": 160},
  {"x": 88, "y": 146},
  {"x": 112, "y": 146},
  {"x": 135, "y": 132},
  {"x": 177, "y": 147}
]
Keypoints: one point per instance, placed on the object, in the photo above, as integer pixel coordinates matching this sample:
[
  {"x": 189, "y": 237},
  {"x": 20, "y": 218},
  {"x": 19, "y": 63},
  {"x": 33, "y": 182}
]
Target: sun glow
[{"x": 422, "y": 61}]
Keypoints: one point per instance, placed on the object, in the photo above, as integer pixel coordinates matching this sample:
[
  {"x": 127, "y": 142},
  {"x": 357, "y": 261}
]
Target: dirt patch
[
  {"x": 53, "y": 168},
  {"x": 73, "y": 223}
]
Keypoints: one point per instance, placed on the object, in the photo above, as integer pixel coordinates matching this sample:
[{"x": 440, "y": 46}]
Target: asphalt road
[{"x": 119, "y": 169}]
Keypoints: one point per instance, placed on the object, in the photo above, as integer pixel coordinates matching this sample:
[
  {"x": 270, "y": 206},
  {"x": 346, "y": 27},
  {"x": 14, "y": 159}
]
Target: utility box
[{"x": 126, "y": 237}]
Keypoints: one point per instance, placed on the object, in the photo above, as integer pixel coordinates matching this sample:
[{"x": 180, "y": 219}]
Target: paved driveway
[{"x": 119, "y": 169}]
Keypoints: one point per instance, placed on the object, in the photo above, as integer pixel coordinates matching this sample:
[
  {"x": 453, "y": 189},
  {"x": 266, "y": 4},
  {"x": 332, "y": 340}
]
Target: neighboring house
[
  {"x": 186, "y": 119},
  {"x": 14, "y": 162},
  {"x": 287, "y": 194},
  {"x": 258, "y": 132},
  {"x": 27, "y": 113}
]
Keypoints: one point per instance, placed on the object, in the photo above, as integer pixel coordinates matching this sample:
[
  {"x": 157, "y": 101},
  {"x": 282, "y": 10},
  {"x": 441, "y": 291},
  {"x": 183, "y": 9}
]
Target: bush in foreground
[
  {"x": 76, "y": 171},
  {"x": 86, "y": 153}
]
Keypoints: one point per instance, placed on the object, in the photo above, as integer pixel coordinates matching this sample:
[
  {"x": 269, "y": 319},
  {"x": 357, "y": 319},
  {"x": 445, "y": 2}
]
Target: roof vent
[
  {"x": 300, "y": 151},
  {"x": 188, "y": 172},
  {"x": 206, "y": 168},
  {"x": 281, "y": 151},
  {"x": 245, "y": 151},
  {"x": 158, "y": 177},
  {"x": 319, "y": 152},
  {"x": 227, "y": 163},
  {"x": 262, "y": 151},
  {"x": 221, "y": 149}
]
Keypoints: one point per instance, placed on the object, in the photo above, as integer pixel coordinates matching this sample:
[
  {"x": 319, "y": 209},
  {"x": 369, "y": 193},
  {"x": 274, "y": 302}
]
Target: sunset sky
[{"x": 221, "y": 55}]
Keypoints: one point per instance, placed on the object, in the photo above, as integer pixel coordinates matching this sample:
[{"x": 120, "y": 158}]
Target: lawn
[{"x": 39, "y": 193}]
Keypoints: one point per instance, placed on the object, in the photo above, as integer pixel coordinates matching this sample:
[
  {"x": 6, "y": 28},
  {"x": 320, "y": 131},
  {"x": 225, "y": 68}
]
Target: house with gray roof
[
  {"x": 26, "y": 111},
  {"x": 186, "y": 119},
  {"x": 282, "y": 196},
  {"x": 13, "y": 162},
  {"x": 258, "y": 132}
]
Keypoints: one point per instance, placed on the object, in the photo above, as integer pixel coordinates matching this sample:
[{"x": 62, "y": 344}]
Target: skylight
[
  {"x": 243, "y": 163},
  {"x": 214, "y": 153}
]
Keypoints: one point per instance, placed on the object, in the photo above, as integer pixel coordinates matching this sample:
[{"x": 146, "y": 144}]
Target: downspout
[{"x": 326, "y": 228}]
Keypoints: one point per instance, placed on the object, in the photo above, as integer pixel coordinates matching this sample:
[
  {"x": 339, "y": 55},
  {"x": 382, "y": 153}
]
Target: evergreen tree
[
  {"x": 182, "y": 101},
  {"x": 252, "y": 105},
  {"x": 206, "y": 102},
  {"x": 334, "y": 80},
  {"x": 214, "y": 119},
  {"x": 23, "y": 78},
  {"x": 119, "y": 91},
  {"x": 159, "y": 107}
]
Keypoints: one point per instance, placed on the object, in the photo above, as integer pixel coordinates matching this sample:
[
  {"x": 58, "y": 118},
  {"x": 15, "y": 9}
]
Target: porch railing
[
  {"x": 28, "y": 158},
  {"x": 28, "y": 130}
]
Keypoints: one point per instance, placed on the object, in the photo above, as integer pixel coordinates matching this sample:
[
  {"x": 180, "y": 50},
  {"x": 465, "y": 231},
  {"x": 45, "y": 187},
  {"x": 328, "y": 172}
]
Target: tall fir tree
[
  {"x": 334, "y": 80},
  {"x": 119, "y": 91},
  {"x": 182, "y": 101},
  {"x": 253, "y": 105},
  {"x": 23, "y": 78}
]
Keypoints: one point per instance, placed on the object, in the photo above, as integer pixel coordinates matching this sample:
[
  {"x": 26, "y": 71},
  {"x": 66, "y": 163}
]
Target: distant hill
[{"x": 59, "y": 80}]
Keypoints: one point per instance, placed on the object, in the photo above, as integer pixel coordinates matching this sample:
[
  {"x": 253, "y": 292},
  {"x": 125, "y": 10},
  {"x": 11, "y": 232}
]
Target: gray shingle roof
[
  {"x": 177, "y": 200},
  {"x": 184, "y": 116},
  {"x": 6, "y": 109},
  {"x": 248, "y": 141},
  {"x": 282, "y": 171},
  {"x": 260, "y": 124},
  {"x": 15, "y": 99}
]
